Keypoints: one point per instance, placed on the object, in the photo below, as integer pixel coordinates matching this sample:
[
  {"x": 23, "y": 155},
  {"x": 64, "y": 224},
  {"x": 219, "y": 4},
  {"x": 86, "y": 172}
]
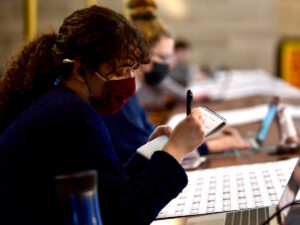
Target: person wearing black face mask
[
  {"x": 157, "y": 74},
  {"x": 130, "y": 127}
]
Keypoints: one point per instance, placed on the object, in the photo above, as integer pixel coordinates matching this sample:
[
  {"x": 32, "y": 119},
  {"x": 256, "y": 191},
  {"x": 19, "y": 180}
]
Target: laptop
[
  {"x": 250, "y": 187},
  {"x": 260, "y": 215},
  {"x": 256, "y": 143}
]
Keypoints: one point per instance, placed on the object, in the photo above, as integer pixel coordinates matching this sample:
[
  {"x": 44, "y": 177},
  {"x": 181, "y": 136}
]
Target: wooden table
[{"x": 214, "y": 161}]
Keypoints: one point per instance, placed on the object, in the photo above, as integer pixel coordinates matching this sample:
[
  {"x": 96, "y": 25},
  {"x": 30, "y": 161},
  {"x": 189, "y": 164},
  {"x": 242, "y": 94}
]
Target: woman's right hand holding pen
[{"x": 186, "y": 136}]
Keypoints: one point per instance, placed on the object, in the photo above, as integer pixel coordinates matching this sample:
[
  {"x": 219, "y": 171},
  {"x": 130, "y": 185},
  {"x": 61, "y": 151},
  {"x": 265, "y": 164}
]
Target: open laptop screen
[
  {"x": 266, "y": 123},
  {"x": 291, "y": 189}
]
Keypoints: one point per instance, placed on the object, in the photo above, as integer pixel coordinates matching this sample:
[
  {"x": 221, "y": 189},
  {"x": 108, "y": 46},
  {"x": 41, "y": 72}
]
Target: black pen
[{"x": 189, "y": 101}]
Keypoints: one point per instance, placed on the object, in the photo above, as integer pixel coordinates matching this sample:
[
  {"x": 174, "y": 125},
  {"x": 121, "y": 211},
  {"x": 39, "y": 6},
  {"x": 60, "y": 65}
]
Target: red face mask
[{"x": 116, "y": 94}]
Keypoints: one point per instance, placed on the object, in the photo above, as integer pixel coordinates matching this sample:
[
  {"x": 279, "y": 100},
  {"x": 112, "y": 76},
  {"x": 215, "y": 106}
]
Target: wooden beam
[
  {"x": 91, "y": 2},
  {"x": 30, "y": 19},
  {"x": 125, "y": 9}
]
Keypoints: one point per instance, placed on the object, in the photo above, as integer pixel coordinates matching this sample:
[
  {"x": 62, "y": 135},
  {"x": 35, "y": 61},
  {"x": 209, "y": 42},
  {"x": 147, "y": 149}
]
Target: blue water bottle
[{"x": 79, "y": 198}]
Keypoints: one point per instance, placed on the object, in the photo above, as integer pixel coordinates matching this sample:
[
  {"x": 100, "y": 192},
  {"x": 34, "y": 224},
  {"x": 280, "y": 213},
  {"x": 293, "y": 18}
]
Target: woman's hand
[
  {"x": 161, "y": 130},
  {"x": 229, "y": 138},
  {"x": 187, "y": 136}
]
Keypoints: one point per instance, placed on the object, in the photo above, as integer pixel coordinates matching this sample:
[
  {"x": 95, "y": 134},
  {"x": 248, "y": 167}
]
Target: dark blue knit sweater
[{"x": 60, "y": 133}]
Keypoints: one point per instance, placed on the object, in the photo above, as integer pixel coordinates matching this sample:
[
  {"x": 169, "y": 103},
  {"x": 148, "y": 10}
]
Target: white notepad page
[{"x": 213, "y": 122}]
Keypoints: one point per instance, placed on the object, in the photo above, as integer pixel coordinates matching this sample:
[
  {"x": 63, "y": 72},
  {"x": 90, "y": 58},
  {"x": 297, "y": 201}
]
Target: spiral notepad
[{"x": 213, "y": 122}]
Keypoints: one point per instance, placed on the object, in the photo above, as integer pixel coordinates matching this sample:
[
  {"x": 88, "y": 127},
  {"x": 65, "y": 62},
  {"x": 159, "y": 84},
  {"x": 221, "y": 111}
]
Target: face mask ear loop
[
  {"x": 86, "y": 84},
  {"x": 101, "y": 77}
]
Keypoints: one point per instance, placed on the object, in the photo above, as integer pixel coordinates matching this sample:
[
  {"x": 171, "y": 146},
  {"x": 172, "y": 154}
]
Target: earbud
[{"x": 81, "y": 72}]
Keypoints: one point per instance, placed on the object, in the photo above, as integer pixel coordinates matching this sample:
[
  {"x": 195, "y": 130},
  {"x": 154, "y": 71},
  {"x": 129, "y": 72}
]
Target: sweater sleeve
[
  {"x": 140, "y": 190},
  {"x": 138, "y": 198},
  {"x": 160, "y": 181},
  {"x": 203, "y": 149},
  {"x": 135, "y": 164}
]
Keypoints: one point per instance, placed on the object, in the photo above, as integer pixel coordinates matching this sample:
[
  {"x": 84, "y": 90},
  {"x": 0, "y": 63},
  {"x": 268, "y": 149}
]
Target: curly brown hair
[{"x": 92, "y": 36}]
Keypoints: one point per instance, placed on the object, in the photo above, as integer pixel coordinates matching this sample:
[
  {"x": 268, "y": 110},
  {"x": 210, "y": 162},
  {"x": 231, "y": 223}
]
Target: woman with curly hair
[{"x": 51, "y": 99}]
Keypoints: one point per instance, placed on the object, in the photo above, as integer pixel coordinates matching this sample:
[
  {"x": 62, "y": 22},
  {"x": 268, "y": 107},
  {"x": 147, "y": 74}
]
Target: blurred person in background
[
  {"x": 181, "y": 71},
  {"x": 51, "y": 98},
  {"x": 130, "y": 127},
  {"x": 173, "y": 87},
  {"x": 164, "y": 80}
]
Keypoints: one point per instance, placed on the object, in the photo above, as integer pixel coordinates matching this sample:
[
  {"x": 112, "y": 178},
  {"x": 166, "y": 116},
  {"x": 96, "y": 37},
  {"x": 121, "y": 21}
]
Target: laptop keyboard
[
  {"x": 231, "y": 189},
  {"x": 247, "y": 217}
]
